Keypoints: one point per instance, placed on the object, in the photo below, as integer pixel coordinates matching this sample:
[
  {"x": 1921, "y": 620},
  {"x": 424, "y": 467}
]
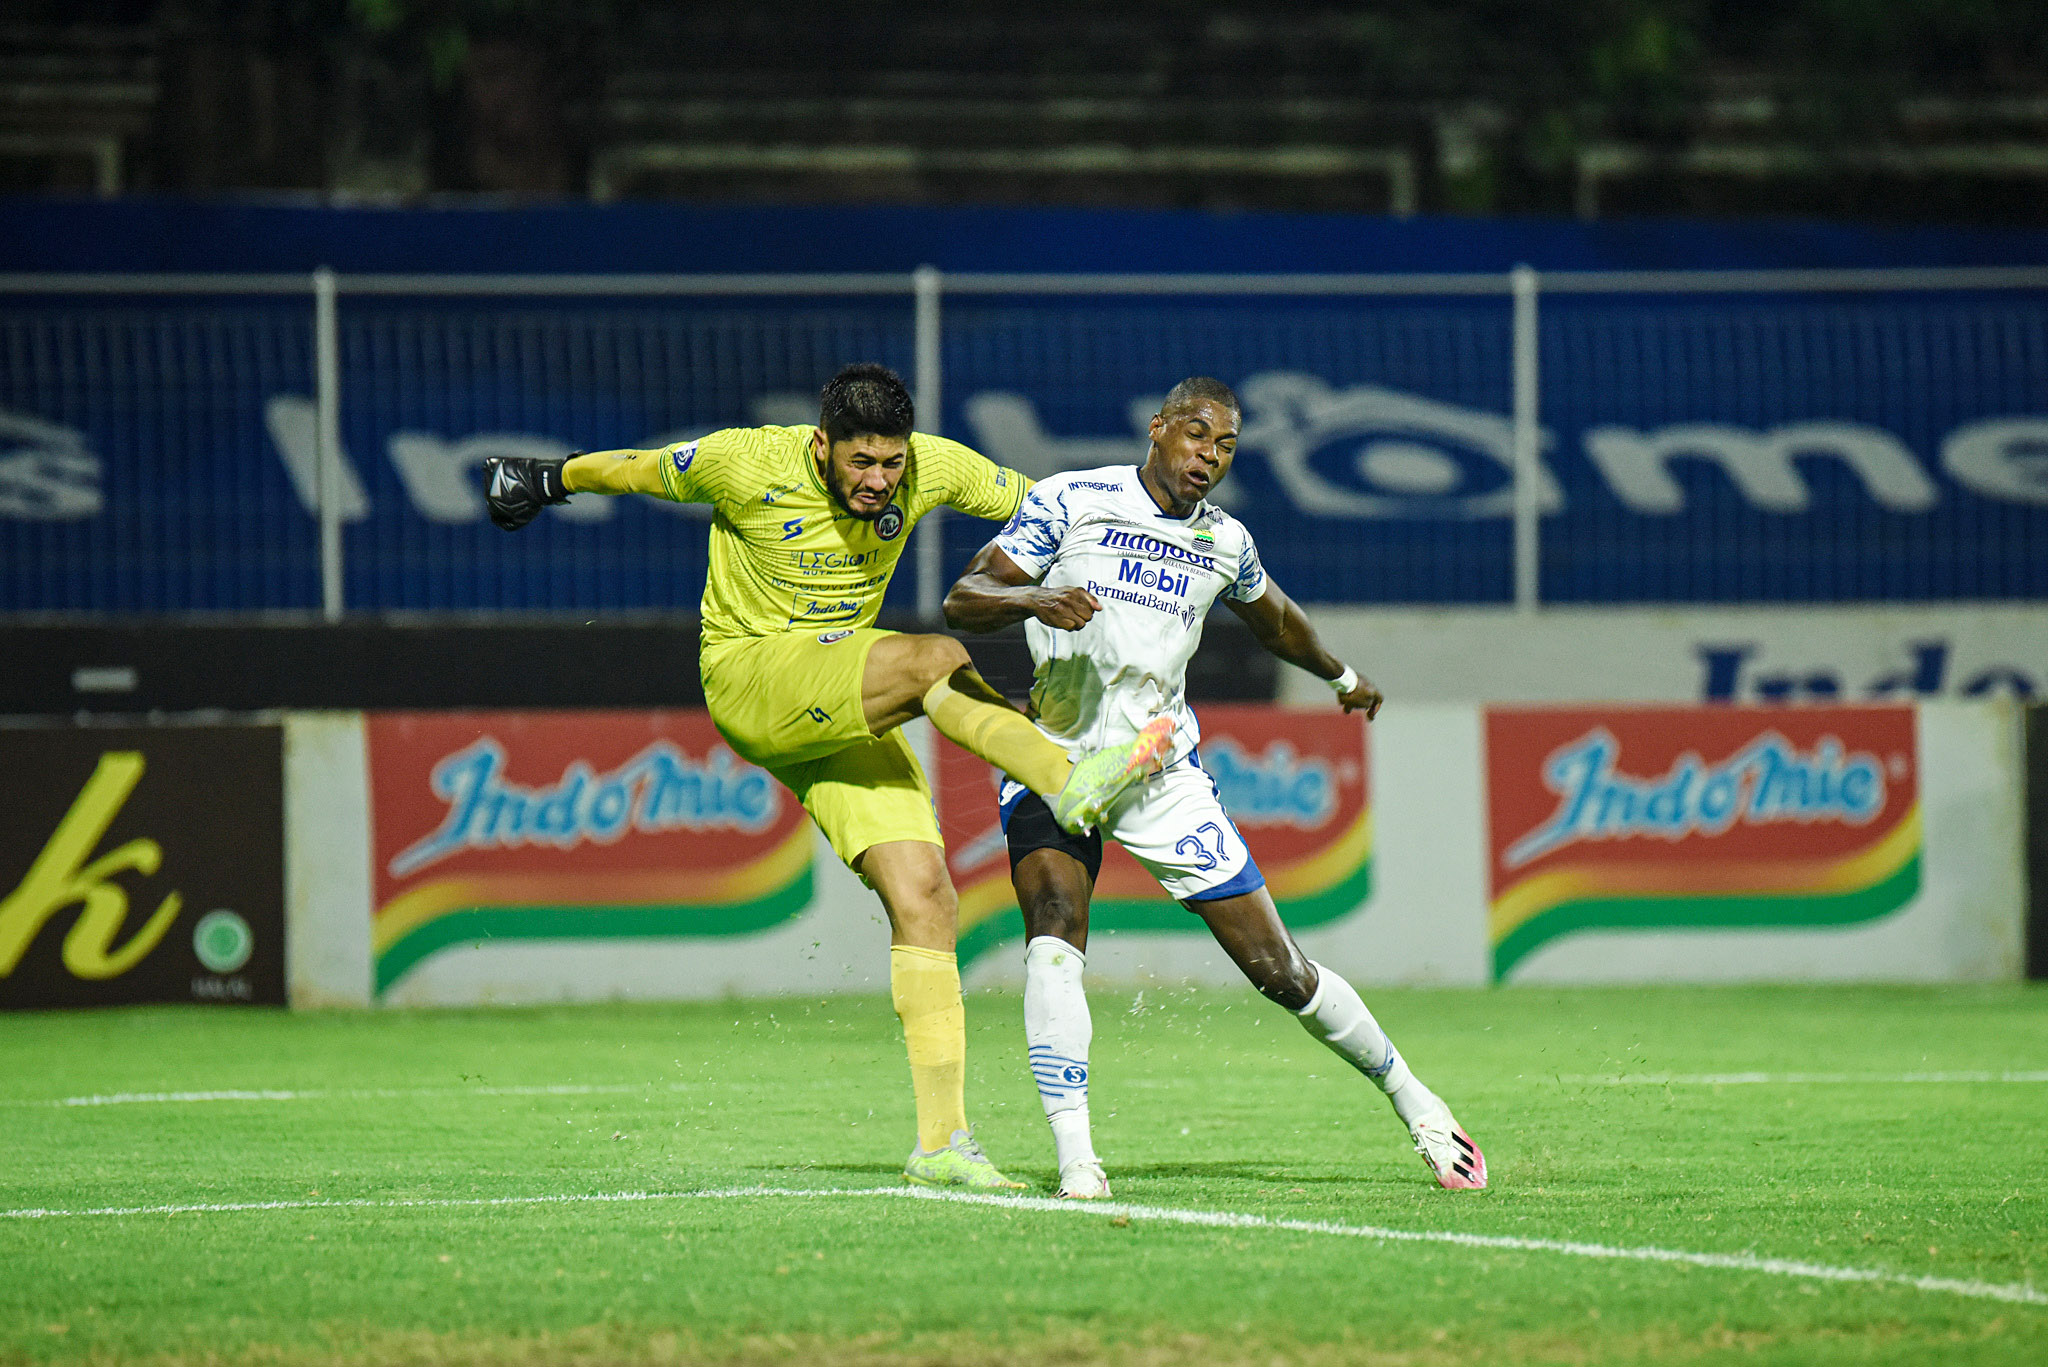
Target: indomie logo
[
  {"x": 1152, "y": 548},
  {"x": 1274, "y": 789},
  {"x": 1767, "y": 781},
  {"x": 659, "y": 789},
  {"x": 1166, "y": 581}
]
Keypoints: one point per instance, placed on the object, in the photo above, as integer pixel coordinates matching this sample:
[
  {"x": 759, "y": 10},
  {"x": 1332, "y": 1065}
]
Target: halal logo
[
  {"x": 889, "y": 525},
  {"x": 223, "y": 941}
]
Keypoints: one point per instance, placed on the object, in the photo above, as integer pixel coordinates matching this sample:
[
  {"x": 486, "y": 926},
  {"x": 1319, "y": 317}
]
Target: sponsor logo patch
[
  {"x": 1137, "y": 572},
  {"x": 833, "y": 560},
  {"x": 826, "y": 638},
  {"x": 683, "y": 455},
  {"x": 1152, "y": 548}
]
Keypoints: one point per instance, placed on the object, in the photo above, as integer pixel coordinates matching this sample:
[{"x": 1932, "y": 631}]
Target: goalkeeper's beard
[{"x": 839, "y": 496}]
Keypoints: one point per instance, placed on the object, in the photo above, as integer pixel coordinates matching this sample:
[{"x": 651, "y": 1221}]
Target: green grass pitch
[{"x": 414, "y": 1175}]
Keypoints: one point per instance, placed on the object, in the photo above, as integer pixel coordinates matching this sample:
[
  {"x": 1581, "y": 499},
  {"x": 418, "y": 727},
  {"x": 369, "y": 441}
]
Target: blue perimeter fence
[{"x": 294, "y": 443}]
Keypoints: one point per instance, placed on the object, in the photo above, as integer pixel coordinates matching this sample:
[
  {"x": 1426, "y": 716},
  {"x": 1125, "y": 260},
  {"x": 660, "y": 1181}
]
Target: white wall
[
  {"x": 1671, "y": 655},
  {"x": 326, "y": 860}
]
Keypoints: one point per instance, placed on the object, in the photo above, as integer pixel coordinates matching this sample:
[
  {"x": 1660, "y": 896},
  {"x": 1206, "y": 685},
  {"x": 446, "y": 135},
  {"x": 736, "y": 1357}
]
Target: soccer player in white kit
[{"x": 1112, "y": 571}]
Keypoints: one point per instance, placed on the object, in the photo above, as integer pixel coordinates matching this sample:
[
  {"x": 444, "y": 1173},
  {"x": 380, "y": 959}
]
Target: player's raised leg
[
  {"x": 1053, "y": 888},
  {"x": 1250, "y": 930},
  {"x": 924, "y": 983},
  {"x": 932, "y": 676}
]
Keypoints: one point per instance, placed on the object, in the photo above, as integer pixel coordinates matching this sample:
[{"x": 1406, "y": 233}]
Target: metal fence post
[
  {"x": 927, "y": 395},
  {"x": 327, "y": 440},
  {"x": 1527, "y": 438}
]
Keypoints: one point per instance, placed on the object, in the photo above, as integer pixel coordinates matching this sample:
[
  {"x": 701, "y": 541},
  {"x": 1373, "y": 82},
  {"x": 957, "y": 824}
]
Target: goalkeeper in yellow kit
[{"x": 808, "y": 525}]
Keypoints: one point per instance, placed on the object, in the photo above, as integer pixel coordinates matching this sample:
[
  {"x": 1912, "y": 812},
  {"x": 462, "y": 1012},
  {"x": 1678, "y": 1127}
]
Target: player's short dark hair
[
  {"x": 865, "y": 398},
  {"x": 1195, "y": 389}
]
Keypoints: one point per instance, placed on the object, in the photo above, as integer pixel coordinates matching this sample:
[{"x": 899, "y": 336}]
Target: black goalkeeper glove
[{"x": 517, "y": 487}]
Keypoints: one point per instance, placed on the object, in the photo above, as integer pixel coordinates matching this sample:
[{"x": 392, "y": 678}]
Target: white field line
[
  {"x": 1792, "y": 1079},
  {"x": 346, "y": 1094},
  {"x": 1213, "y": 1219},
  {"x": 630, "y": 1088}
]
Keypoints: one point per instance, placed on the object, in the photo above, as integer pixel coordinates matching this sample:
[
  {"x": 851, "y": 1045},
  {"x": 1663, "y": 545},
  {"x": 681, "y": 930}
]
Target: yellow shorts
[{"x": 791, "y": 704}]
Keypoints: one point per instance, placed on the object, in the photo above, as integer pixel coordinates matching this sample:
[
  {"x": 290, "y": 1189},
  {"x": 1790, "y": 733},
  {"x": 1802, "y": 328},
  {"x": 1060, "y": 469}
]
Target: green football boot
[
  {"x": 1094, "y": 783},
  {"x": 960, "y": 1165}
]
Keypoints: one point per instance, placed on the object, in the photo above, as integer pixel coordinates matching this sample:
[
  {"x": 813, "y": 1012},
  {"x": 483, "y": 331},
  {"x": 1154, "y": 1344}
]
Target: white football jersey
[{"x": 1155, "y": 576}]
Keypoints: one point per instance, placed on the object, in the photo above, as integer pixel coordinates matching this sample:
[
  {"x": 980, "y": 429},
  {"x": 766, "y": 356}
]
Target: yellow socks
[
  {"x": 974, "y": 717},
  {"x": 925, "y": 985}
]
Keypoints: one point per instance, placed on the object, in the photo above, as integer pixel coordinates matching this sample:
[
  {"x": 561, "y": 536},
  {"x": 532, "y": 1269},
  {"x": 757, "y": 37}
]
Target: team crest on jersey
[
  {"x": 826, "y": 638},
  {"x": 683, "y": 455},
  {"x": 889, "y": 525}
]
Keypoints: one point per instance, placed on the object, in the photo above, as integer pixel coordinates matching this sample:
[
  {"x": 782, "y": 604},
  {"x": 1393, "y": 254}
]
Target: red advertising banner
[
  {"x": 1693, "y": 818},
  {"x": 572, "y": 825},
  {"x": 1294, "y": 782}
]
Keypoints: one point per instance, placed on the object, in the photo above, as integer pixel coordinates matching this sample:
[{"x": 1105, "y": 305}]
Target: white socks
[
  {"x": 1336, "y": 1015},
  {"x": 1057, "y": 1030}
]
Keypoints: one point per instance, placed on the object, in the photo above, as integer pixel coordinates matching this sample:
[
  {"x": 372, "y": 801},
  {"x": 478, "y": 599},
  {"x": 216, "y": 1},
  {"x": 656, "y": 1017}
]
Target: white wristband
[{"x": 1344, "y": 682}]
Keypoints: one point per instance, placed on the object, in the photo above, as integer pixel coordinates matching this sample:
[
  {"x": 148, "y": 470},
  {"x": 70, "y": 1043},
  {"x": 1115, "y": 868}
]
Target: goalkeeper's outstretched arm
[
  {"x": 516, "y": 488},
  {"x": 615, "y": 472}
]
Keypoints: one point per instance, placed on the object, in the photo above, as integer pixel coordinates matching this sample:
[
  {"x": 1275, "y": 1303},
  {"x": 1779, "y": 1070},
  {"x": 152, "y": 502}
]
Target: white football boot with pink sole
[{"x": 1450, "y": 1152}]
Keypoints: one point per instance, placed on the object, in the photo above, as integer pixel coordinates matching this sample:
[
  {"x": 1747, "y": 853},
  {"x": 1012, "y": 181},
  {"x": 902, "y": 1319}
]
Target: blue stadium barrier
[
  {"x": 1761, "y": 448},
  {"x": 1767, "y": 446}
]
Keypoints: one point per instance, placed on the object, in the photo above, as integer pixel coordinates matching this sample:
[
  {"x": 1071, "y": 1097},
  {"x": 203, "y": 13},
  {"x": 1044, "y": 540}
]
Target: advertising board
[
  {"x": 585, "y": 856},
  {"x": 141, "y": 865},
  {"x": 571, "y": 827},
  {"x": 1892, "y": 457},
  {"x": 1680, "y": 819}
]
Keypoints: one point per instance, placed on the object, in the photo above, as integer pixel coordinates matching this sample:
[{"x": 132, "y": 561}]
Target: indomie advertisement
[
  {"x": 141, "y": 865},
  {"x": 582, "y": 826},
  {"x": 1295, "y": 784},
  {"x": 1677, "y": 819}
]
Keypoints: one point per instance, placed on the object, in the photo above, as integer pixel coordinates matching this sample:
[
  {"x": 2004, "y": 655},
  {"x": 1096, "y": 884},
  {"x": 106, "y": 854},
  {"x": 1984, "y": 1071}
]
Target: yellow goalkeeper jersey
[{"x": 784, "y": 555}]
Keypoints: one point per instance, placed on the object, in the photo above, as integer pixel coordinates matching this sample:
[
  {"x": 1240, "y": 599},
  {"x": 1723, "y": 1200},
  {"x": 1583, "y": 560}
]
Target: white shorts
[{"x": 1176, "y": 827}]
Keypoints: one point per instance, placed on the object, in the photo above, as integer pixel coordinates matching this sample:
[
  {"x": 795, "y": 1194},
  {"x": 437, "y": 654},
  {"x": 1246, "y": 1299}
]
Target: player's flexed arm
[
  {"x": 996, "y": 591},
  {"x": 1283, "y": 628}
]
